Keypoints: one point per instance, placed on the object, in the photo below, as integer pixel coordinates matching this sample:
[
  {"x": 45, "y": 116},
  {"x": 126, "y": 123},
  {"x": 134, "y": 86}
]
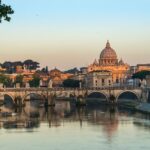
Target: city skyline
[{"x": 67, "y": 34}]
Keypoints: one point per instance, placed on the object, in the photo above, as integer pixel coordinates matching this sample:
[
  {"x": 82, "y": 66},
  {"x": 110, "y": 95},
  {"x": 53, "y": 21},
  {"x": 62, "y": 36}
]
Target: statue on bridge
[
  {"x": 50, "y": 84},
  {"x": 112, "y": 99}
]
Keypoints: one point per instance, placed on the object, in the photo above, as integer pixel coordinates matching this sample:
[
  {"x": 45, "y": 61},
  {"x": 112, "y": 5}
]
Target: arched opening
[
  {"x": 8, "y": 101},
  {"x": 34, "y": 99},
  {"x": 127, "y": 96},
  {"x": 96, "y": 97}
]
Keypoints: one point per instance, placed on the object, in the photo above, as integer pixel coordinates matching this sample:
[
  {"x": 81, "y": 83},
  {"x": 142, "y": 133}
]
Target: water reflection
[{"x": 31, "y": 116}]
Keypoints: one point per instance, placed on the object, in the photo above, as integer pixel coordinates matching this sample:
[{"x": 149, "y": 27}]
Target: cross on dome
[{"x": 107, "y": 44}]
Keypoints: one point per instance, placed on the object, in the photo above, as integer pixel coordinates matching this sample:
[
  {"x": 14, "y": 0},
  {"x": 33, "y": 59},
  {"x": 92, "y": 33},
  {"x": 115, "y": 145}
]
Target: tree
[
  {"x": 19, "y": 79},
  {"x": 31, "y": 65},
  {"x": 44, "y": 70},
  {"x": 141, "y": 74},
  {"x": 17, "y": 63},
  {"x": 6, "y": 81},
  {"x": 35, "y": 82},
  {"x": 71, "y": 83},
  {"x": 5, "y": 11},
  {"x": 12, "y": 66},
  {"x": 8, "y": 66}
]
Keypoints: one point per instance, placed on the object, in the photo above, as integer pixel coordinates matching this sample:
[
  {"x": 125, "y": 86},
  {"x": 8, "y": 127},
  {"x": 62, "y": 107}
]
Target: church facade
[{"x": 108, "y": 61}]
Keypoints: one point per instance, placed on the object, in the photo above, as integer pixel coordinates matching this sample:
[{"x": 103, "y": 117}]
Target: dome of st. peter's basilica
[{"x": 108, "y": 56}]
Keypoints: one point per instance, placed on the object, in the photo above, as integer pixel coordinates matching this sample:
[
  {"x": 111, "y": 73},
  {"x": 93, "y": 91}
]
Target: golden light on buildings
[{"x": 108, "y": 60}]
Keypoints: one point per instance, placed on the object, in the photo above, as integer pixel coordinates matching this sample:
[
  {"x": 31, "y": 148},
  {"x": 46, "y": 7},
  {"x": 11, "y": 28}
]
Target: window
[
  {"x": 96, "y": 83},
  {"x": 117, "y": 80},
  {"x": 109, "y": 82},
  {"x": 103, "y": 82}
]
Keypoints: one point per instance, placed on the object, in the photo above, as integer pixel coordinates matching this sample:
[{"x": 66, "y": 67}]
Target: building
[
  {"x": 108, "y": 61},
  {"x": 139, "y": 67},
  {"x": 142, "y": 67},
  {"x": 58, "y": 77},
  {"x": 80, "y": 76},
  {"x": 98, "y": 78},
  {"x": 133, "y": 69},
  {"x": 19, "y": 69},
  {"x": 84, "y": 70},
  {"x": 2, "y": 69},
  {"x": 148, "y": 80}
]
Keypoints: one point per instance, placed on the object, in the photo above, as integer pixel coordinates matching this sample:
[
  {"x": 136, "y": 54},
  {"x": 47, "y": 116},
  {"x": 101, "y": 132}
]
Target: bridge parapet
[
  {"x": 71, "y": 89},
  {"x": 70, "y": 92}
]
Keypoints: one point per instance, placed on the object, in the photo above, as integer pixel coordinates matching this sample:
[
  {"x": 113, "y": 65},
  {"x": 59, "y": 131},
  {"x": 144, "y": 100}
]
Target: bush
[
  {"x": 71, "y": 83},
  {"x": 35, "y": 82},
  {"x": 141, "y": 75}
]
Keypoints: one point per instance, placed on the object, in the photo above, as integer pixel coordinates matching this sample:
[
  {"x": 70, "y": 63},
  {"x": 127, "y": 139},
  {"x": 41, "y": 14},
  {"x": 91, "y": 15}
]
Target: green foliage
[
  {"x": 31, "y": 65},
  {"x": 2, "y": 78},
  {"x": 19, "y": 79},
  {"x": 11, "y": 66},
  {"x": 5, "y": 11},
  {"x": 35, "y": 82},
  {"x": 5, "y": 80},
  {"x": 44, "y": 70},
  {"x": 141, "y": 75},
  {"x": 8, "y": 82},
  {"x": 71, "y": 83}
]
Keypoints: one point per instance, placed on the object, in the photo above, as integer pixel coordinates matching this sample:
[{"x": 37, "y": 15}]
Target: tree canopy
[
  {"x": 30, "y": 64},
  {"x": 35, "y": 82},
  {"x": 19, "y": 79},
  {"x": 71, "y": 83},
  {"x": 5, "y": 80},
  {"x": 5, "y": 12},
  {"x": 11, "y": 66},
  {"x": 141, "y": 74}
]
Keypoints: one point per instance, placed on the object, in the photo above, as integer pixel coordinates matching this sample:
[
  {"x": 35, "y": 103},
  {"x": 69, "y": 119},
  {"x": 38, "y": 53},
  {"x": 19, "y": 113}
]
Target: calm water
[{"x": 67, "y": 128}]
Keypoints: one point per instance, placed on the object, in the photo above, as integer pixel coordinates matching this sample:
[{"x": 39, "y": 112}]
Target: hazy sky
[{"x": 72, "y": 33}]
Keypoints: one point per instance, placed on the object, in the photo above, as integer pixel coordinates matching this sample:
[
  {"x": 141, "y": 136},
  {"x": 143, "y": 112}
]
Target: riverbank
[
  {"x": 143, "y": 107},
  {"x": 136, "y": 106},
  {"x": 128, "y": 104}
]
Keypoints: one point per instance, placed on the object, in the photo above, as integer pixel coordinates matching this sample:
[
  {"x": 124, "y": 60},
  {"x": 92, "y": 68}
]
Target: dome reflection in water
[{"x": 68, "y": 127}]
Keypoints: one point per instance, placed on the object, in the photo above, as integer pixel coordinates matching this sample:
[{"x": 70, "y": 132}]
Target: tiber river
[{"x": 65, "y": 127}]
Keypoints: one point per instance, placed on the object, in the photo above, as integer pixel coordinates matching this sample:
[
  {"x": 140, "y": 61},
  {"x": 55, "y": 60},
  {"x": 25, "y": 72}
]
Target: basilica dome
[
  {"x": 108, "y": 52},
  {"x": 108, "y": 56}
]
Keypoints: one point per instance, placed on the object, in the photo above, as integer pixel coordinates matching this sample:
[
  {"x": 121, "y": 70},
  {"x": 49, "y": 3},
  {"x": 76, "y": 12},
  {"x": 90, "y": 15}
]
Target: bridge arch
[
  {"x": 98, "y": 95},
  {"x": 127, "y": 95},
  {"x": 9, "y": 99},
  {"x": 43, "y": 97}
]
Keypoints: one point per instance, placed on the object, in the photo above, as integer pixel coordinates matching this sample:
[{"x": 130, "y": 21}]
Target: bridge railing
[{"x": 69, "y": 89}]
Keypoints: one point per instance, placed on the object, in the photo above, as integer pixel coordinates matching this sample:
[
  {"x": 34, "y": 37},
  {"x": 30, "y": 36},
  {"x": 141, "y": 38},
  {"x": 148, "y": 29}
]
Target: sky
[{"x": 72, "y": 33}]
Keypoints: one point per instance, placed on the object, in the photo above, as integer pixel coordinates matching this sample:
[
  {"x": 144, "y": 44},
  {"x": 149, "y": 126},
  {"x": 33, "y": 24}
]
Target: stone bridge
[{"x": 19, "y": 95}]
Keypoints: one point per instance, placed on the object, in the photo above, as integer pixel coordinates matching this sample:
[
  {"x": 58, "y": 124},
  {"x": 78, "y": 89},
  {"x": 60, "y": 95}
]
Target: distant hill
[{"x": 72, "y": 71}]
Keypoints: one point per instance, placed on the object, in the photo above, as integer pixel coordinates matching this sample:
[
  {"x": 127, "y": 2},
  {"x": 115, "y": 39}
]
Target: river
[{"x": 66, "y": 127}]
